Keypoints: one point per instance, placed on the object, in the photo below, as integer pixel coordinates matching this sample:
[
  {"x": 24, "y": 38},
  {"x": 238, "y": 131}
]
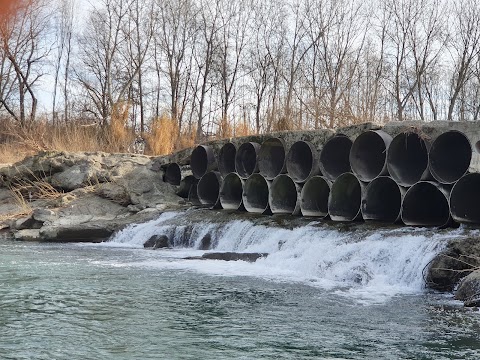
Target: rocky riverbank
[{"x": 86, "y": 197}]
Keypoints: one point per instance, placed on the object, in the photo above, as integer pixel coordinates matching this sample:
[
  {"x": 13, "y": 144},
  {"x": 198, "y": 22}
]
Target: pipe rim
[
  {"x": 322, "y": 210},
  {"x": 266, "y": 159},
  {"x": 330, "y": 150},
  {"x": 444, "y": 199},
  {"x": 361, "y": 155},
  {"x": 247, "y": 202},
  {"x": 436, "y": 166},
  {"x": 337, "y": 190},
  {"x": 246, "y": 162},
  {"x": 226, "y": 204},
  {"x": 224, "y": 158},
  {"x": 202, "y": 160},
  {"x": 368, "y": 214},
  {"x": 292, "y": 207},
  {"x": 295, "y": 169},
  {"x": 208, "y": 188},
  {"x": 396, "y": 154}
]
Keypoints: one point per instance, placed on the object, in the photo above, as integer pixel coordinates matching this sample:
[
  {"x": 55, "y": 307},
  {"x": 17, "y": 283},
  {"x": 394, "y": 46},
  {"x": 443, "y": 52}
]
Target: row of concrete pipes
[{"x": 407, "y": 178}]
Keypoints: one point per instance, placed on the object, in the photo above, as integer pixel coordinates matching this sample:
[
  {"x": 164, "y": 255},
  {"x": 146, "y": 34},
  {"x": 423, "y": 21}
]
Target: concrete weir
[
  {"x": 314, "y": 197},
  {"x": 335, "y": 157},
  {"x": 383, "y": 200},
  {"x": 407, "y": 158},
  {"x": 255, "y": 194},
  {"x": 450, "y": 157},
  {"x": 202, "y": 160},
  {"x": 246, "y": 159},
  {"x": 464, "y": 199},
  {"x": 226, "y": 159},
  {"x": 345, "y": 199},
  {"x": 271, "y": 158},
  {"x": 208, "y": 189},
  {"x": 369, "y": 153},
  {"x": 302, "y": 161},
  {"x": 231, "y": 192},
  {"x": 426, "y": 204},
  {"x": 173, "y": 174},
  {"x": 284, "y": 196}
]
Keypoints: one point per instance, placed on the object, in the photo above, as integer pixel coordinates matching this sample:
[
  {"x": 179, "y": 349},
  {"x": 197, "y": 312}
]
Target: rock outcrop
[{"x": 468, "y": 290}]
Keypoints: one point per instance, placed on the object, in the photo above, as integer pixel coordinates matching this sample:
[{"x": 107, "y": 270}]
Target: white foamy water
[{"x": 370, "y": 267}]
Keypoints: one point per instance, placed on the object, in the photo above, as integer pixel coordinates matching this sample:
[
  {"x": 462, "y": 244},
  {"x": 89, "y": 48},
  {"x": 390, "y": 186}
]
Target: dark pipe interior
[
  {"x": 226, "y": 159},
  {"x": 199, "y": 161},
  {"x": 464, "y": 199},
  {"x": 335, "y": 157},
  {"x": 314, "y": 200},
  {"x": 345, "y": 198},
  {"x": 283, "y": 195},
  {"x": 425, "y": 205},
  {"x": 185, "y": 185},
  {"x": 367, "y": 156},
  {"x": 271, "y": 158},
  {"x": 173, "y": 174},
  {"x": 209, "y": 188},
  {"x": 407, "y": 158},
  {"x": 383, "y": 200},
  {"x": 300, "y": 161},
  {"x": 193, "y": 194},
  {"x": 246, "y": 159},
  {"x": 231, "y": 192},
  {"x": 450, "y": 157},
  {"x": 255, "y": 194}
]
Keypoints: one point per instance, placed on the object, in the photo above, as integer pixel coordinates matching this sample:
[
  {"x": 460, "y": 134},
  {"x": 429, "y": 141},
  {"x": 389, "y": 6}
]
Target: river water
[{"x": 320, "y": 294}]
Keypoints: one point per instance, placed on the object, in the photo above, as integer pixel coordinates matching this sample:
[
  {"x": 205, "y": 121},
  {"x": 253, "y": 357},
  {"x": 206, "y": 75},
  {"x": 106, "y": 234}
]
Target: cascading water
[{"x": 371, "y": 265}]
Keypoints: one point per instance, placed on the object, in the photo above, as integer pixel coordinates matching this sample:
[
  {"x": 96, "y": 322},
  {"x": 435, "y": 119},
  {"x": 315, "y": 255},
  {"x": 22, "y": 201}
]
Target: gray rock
[
  {"x": 157, "y": 242},
  {"x": 92, "y": 232},
  {"x": 44, "y": 215},
  {"x": 26, "y": 223},
  {"x": 28, "y": 235},
  {"x": 468, "y": 290},
  {"x": 230, "y": 256}
]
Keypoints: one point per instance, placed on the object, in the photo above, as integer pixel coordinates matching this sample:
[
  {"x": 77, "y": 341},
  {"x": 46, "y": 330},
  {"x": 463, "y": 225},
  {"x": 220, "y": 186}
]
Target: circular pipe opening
[
  {"x": 231, "y": 192},
  {"x": 368, "y": 154},
  {"x": 464, "y": 204},
  {"x": 284, "y": 195},
  {"x": 335, "y": 157},
  {"x": 382, "y": 200},
  {"x": 302, "y": 161},
  {"x": 226, "y": 159},
  {"x": 345, "y": 198},
  {"x": 208, "y": 188},
  {"x": 202, "y": 160},
  {"x": 173, "y": 174},
  {"x": 255, "y": 194},
  {"x": 407, "y": 159},
  {"x": 185, "y": 185},
  {"x": 425, "y": 204},
  {"x": 246, "y": 159},
  {"x": 314, "y": 197},
  {"x": 271, "y": 158},
  {"x": 450, "y": 157}
]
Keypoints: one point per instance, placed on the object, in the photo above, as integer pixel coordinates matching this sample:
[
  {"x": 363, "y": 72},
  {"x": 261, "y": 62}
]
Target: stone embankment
[{"x": 65, "y": 197}]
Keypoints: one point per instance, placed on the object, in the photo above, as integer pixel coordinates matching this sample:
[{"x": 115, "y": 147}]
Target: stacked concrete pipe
[
  {"x": 382, "y": 200},
  {"x": 173, "y": 174},
  {"x": 314, "y": 197},
  {"x": 302, "y": 161},
  {"x": 345, "y": 199},
  {"x": 185, "y": 185},
  {"x": 202, "y": 160},
  {"x": 255, "y": 195},
  {"x": 208, "y": 189},
  {"x": 407, "y": 158},
  {"x": 368, "y": 155},
  {"x": 226, "y": 159},
  {"x": 284, "y": 195},
  {"x": 246, "y": 159},
  {"x": 231, "y": 192},
  {"x": 335, "y": 157},
  {"x": 465, "y": 199},
  {"x": 272, "y": 158}
]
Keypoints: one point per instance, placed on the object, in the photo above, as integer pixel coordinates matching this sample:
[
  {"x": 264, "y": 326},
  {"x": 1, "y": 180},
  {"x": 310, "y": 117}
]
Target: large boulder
[
  {"x": 468, "y": 290},
  {"x": 458, "y": 260},
  {"x": 157, "y": 242}
]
